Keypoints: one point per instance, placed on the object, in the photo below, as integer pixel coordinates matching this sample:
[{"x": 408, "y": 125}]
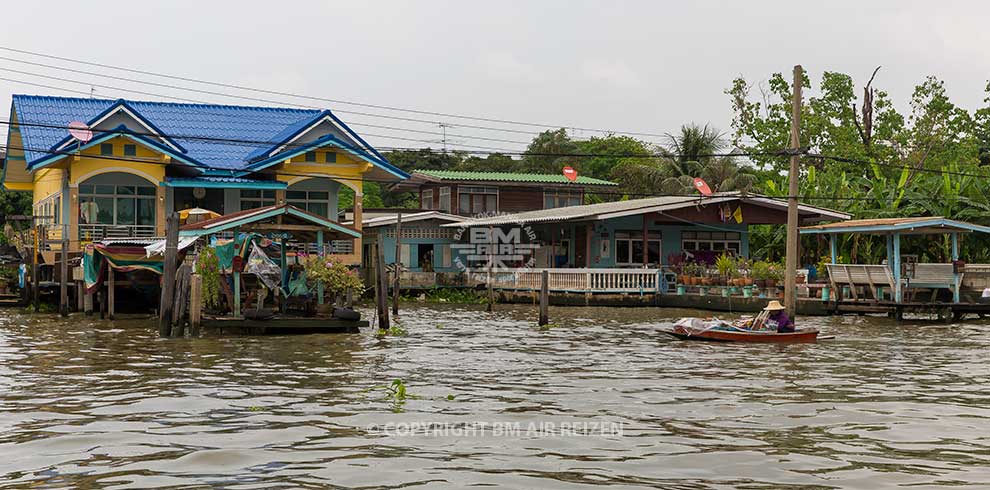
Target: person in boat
[{"x": 776, "y": 317}]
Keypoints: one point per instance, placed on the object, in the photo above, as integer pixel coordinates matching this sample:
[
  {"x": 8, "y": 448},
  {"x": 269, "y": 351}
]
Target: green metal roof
[{"x": 511, "y": 177}]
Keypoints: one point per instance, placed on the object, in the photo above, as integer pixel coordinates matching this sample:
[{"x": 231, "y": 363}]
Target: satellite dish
[
  {"x": 702, "y": 186},
  {"x": 570, "y": 173},
  {"x": 80, "y": 131}
]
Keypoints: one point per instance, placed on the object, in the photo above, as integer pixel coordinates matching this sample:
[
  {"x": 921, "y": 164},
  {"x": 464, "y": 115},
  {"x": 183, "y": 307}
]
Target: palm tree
[{"x": 687, "y": 155}]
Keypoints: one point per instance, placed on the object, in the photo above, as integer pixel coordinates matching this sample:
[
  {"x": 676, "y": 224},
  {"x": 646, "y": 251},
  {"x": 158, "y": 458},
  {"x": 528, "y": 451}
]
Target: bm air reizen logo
[{"x": 501, "y": 248}]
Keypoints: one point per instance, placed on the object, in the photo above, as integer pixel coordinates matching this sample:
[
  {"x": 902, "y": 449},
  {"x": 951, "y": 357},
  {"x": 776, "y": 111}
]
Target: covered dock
[{"x": 899, "y": 284}]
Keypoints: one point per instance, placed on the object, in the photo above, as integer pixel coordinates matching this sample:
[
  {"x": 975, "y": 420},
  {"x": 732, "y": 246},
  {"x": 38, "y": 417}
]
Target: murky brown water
[{"x": 94, "y": 405}]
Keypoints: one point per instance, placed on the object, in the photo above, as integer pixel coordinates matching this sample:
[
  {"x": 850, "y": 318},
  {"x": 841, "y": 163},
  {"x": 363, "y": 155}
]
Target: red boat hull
[{"x": 805, "y": 335}]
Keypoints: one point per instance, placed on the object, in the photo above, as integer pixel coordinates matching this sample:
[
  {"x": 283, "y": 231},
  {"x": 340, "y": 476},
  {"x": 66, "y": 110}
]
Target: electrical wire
[{"x": 307, "y": 97}]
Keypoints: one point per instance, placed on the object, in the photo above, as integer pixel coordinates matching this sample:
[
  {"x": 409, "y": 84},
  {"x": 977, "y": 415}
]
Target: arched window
[{"x": 116, "y": 204}]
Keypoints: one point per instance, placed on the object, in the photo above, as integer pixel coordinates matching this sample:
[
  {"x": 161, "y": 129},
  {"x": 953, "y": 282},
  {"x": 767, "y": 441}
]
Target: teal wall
[{"x": 670, "y": 237}]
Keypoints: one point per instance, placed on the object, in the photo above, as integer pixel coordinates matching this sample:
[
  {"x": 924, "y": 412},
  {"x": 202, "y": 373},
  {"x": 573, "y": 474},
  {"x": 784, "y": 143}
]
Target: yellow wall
[
  {"x": 348, "y": 171},
  {"x": 16, "y": 176},
  {"x": 89, "y": 164}
]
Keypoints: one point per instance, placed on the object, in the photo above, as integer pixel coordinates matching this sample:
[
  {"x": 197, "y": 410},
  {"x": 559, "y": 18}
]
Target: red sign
[
  {"x": 570, "y": 173},
  {"x": 702, "y": 186}
]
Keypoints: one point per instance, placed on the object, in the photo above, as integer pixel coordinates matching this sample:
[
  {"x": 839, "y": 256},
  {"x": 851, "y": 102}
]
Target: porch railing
[
  {"x": 94, "y": 232},
  {"x": 579, "y": 280}
]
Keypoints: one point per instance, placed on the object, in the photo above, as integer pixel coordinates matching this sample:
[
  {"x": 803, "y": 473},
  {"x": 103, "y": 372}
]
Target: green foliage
[
  {"x": 394, "y": 330},
  {"x": 927, "y": 162},
  {"x": 725, "y": 264},
  {"x": 448, "y": 295},
  {"x": 761, "y": 270},
  {"x": 208, "y": 267},
  {"x": 687, "y": 155},
  {"x": 336, "y": 276}
]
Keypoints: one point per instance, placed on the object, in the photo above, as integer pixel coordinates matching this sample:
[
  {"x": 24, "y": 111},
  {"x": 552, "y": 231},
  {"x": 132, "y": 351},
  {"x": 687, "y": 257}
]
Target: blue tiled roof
[{"x": 220, "y": 137}]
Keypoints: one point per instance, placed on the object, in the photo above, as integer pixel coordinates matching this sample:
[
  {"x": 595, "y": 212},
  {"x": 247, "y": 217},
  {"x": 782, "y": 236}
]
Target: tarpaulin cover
[
  {"x": 265, "y": 268},
  {"x": 97, "y": 257}
]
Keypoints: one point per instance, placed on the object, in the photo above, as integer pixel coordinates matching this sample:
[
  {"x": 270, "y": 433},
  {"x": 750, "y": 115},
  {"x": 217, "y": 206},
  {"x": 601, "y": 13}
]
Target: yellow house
[{"x": 142, "y": 160}]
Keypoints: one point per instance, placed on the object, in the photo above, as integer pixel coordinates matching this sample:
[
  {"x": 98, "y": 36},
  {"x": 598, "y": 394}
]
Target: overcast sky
[{"x": 626, "y": 66}]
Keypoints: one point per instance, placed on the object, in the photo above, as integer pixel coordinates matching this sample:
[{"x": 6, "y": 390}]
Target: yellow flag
[{"x": 738, "y": 214}]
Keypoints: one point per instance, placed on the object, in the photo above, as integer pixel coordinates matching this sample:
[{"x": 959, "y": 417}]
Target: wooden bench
[
  {"x": 933, "y": 277},
  {"x": 857, "y": 275}
]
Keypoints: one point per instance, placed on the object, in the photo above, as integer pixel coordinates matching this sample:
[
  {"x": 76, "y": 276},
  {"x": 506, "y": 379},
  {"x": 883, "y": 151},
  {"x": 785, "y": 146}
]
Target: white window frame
[
  {"x": 260, "y": 201},
  {"x": 559, "y": 198},
  {"x": 715, "y": 241},
  {"x": 445, "y": 199},
  {"x": 477, "y": 190},
  {"x": 83, "y": 196},
  {"x": 426, "y": 200},
  {"x": 303, "y": 203},
  {"x": 630, "y": 237}
]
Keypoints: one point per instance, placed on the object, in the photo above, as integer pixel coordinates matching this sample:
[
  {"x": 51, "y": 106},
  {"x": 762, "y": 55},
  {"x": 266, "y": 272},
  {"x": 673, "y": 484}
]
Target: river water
[{"x": 600, "y": 400}]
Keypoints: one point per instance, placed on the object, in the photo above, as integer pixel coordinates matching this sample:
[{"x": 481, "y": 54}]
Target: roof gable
[{"x": 118, "y": 115}]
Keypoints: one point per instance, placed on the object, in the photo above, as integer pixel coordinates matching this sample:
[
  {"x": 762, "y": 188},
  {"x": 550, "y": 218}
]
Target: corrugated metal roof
[
  {"x": 607, "y": 210},
  {"x": 913, "y": 224},
  {"x": 510, "y": 177},
  {"x": 410, "y": 218}
]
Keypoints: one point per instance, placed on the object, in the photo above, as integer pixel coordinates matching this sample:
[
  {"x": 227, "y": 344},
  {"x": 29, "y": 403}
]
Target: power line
[
  {"x": 266, "y": 143},
  {"x": 188, "y": 100},
  {"x": 308, "y": 97}
]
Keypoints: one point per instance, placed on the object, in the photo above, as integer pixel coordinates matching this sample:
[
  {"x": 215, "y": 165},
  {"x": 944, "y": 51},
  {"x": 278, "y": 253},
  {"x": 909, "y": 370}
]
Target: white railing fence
[{"x": 578, "y": 280}]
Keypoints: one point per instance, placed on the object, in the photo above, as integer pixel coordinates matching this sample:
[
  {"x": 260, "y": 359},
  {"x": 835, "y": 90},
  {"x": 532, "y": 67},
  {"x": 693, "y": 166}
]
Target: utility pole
[{"x": 791, "y": 262}]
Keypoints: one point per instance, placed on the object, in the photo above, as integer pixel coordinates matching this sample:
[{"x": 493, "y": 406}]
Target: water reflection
[{"x": 95, "y": 404}]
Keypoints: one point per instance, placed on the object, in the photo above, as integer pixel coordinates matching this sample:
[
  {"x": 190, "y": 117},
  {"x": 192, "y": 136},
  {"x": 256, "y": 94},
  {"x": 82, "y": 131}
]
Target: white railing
[
  {"x": 91, "y": 232},
  {"x": 577, "y": 280}
]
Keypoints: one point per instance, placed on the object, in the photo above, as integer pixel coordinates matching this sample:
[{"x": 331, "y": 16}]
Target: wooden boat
[{"x": 721, "y": 331}]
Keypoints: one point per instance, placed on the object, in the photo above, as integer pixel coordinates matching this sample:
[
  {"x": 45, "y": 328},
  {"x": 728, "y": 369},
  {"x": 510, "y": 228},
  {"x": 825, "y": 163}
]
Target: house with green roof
[{"x": 475, "y": 193}]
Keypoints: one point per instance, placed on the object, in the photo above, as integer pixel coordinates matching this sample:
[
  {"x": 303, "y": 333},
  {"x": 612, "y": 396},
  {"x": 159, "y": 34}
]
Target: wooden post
[
  {"x": 111, "y": 287},
  {"x": 195, "y": 304},
  {"x": 896, "y": 267},
  {"x": 381, "y": 284},
  {"x": 80, "y": 303},
  {"x": 544, "y": 298},
  {"x": 168, "y": 273},
  {"x": 589, "y": 230},
  {"x": 646, "y": 242},
  {"x": 490, "y": 280},
  {"x": 103, "y": 304},
  {"x": 319, "y": 251},
  {"x": 349, "y": 298},
  {"x": 790, "y": 268},
  {"x": 183, "y": 278},
  {"x": 63, "y": 287},
  {"x": 39, "y": 233},
  {"x": 955, "y": 275},
  {"x": 87, "y": 300},
  {"x": 398, "y": 264}
]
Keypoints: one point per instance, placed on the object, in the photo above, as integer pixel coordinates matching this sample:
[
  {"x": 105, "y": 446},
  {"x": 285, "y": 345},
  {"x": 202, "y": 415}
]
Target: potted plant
[
  {"x": 760, "y": 272},
  {"x": 774, "y": 275},
  {"x": 337, "y": 277},
  {"x": 725, "y": 264}
]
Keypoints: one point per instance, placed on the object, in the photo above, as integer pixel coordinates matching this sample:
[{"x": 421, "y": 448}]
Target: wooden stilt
[
  {"x": 490, "y": 279},
  {"x": 195, "y": 304},
  {"x": 168, "y": 273},
  {"x": 35, "y": 277},
  {"x": 319, "y": 285},
  {"x": 381, "y": 285},
  {"x": 111, "y": 287},
  {"x": 398, "y": 264},
  {"x": 544, "y": 298},
  {"x": 80, "y": 296},
  {"x": 87, "y": 301},
  {"x": 63, "y": 287},
  {"x": 181, "y": 297}
]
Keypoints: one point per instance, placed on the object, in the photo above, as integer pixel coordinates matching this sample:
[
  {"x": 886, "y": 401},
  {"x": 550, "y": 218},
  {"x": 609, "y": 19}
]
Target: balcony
[{"x": 94, "y": 232}]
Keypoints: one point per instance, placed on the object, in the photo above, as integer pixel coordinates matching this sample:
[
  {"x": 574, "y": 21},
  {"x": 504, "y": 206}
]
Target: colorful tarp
[{"x": 97, "y": 257}]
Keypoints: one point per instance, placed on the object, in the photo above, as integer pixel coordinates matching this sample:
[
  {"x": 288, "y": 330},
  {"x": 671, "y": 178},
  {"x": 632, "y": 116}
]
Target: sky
[{"x": 622, "y": 66}]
